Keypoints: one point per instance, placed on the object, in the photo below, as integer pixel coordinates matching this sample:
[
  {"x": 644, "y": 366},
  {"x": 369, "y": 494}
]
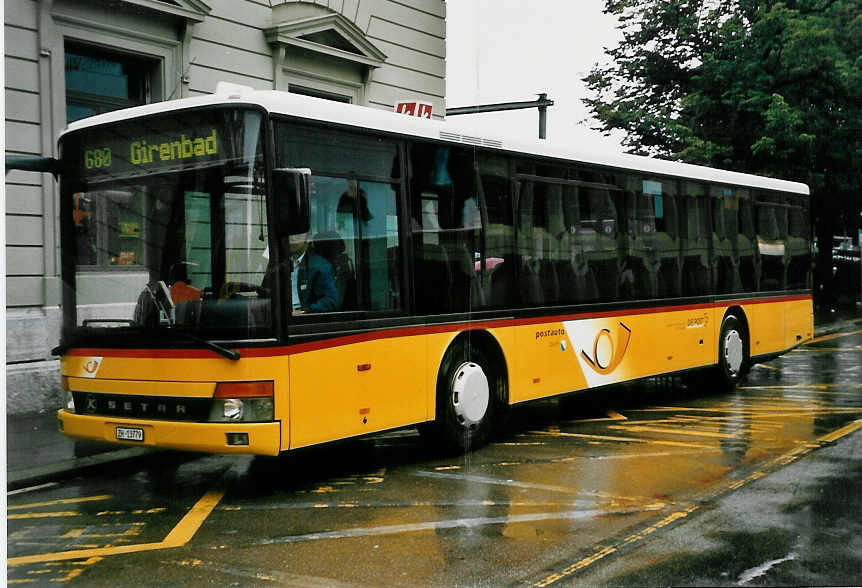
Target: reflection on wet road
[{"x": 569, "y": 485}]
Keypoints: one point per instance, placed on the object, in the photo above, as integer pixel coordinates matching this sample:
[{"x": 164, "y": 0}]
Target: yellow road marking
[
  {"x": 767, "y": 367},
  {"x": 608, "y": 550},
  {"x": 838, "y": 433},
  {"x": 834, "y": 336},
  {"x": 612, "y": 416},
  {"x": 59, "y": 501},
  {"x": 44, "y": 515},
  {"x": 640, "y": 429},
  {"x": 179, "y": 536},
  {"x": 626, "y": 439},
  {"x": 188, "y": 526}
]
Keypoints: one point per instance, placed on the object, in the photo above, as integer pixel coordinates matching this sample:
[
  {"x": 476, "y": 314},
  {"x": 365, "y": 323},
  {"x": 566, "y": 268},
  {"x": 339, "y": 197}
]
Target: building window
[
  {"x": 99, "y": 81},
  {"x": 315, "y": 93}
]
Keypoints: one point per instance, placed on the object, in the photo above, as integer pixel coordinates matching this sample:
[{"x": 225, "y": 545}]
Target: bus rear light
[{"x": 242, "y": 402}]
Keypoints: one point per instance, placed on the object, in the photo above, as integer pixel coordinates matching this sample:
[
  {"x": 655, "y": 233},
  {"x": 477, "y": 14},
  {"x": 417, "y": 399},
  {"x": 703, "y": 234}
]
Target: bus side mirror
[{"x": 291, "y": 189}]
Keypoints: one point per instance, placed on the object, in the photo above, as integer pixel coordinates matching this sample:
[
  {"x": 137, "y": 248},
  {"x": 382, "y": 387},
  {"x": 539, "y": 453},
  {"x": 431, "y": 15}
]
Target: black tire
[
  {"x": 732, "y": 352},
  {"x": 462, "y": 422}
]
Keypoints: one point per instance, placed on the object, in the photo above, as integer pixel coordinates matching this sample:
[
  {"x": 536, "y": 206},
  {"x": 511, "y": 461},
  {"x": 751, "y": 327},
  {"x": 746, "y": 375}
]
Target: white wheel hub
[
  {"x": 470, "y": 393},
  {"x": 733, "y": 348}
]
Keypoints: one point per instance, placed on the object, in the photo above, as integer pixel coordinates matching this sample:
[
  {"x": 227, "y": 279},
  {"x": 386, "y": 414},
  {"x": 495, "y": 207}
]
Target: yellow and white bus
[{"x": 464, "y": 274}]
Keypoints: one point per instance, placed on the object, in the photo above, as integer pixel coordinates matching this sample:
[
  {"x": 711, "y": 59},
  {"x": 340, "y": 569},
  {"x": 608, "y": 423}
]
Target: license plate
[{"x": 130, "y": 434}]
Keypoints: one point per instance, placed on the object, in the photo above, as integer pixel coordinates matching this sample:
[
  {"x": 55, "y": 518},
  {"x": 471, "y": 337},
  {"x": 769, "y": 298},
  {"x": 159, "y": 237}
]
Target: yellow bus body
[{"x": 350, "y": 386}]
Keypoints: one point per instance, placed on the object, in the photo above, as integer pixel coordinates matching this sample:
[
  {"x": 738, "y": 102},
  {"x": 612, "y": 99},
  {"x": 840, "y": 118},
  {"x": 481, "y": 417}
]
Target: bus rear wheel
[
  {"x": 466, "y": 387},
  {"x": 732, "y": 352}
]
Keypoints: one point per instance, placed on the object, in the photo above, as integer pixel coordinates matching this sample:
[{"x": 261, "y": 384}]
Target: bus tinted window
[
  {"x": 336, "y": 152},
  {"x": 695, "y": 235},
  {"x": 354, "y": 219},
  {"x": 499, "y": 259},
  {"x": 798, "y": 245},
  {"x": 654, "y": 247},
  {"x": 746, "y": 243},
  {"x": 447, "y": 229},
  {"x": 772, "y": 241},
  {"x": 595, "y": 237}
]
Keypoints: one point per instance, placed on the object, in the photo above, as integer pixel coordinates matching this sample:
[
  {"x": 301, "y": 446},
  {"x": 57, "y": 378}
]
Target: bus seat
[
  {"x": 432, "y": 277},
  {"x": 463, "y": 277},
  {"x": 503, "y": 284},
  {"x": 531, "y": 289}
]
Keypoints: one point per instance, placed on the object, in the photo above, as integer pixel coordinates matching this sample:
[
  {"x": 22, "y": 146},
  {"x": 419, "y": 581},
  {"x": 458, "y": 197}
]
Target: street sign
[{"x": 414, "y": 108}]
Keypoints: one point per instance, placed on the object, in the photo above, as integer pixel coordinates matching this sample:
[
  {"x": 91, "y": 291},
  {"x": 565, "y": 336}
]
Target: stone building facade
[{"x": 66, "y": 59}]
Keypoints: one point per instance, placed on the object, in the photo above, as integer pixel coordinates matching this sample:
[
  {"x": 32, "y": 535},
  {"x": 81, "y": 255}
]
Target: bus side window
[
  {"x": 726, "y": 258},
  {"x": 746, "y": 240},
  {"x": 447, "y": 229},
  {"x": 695, "y": 235},
  {"x": 771, "y": 241},
  {"x": 498, "y": 262},
  {"x": 798, "y": 244}
]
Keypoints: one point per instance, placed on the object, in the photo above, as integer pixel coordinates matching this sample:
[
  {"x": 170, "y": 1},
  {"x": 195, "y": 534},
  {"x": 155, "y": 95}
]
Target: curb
[
  {"x": 41, "y": 474},
  {"x": 830, "y": 328}
]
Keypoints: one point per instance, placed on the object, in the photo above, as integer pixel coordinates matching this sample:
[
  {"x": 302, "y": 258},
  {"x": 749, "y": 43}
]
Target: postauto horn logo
[
  {"x": 603, "y": 362},
  {"x": 600, "y": 346}
]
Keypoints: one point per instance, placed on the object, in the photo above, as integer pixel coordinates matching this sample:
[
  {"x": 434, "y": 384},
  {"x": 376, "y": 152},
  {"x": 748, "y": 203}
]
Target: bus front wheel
[
  {"x": 465, "y": 397},
  {"x": 732, "y": 351}
]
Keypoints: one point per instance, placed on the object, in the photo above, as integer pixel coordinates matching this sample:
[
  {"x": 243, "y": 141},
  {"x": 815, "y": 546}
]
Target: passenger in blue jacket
[{"x": 312, "y": 278}]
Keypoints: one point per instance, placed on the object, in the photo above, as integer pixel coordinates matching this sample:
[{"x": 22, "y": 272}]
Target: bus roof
[{"x": 317, "y": 109}]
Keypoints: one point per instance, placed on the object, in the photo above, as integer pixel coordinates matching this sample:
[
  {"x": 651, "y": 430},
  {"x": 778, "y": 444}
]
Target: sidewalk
[{"x": 37, "y": 452}]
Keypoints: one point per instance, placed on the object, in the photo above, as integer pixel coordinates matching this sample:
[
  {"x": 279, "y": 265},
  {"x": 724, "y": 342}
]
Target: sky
[{"x": 512, "y": 50}]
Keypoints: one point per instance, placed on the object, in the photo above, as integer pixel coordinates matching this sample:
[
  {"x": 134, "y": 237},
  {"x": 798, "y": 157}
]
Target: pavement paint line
[
  {"x": 179, "y": 536},
  {"x": 767, "y": 367},
  {"x": 623, "y": 439},
  {"x": 610, "y": 549},
  {"x": 834, "y": 336},
  {"x": 32, "y": 488},
  {"x": 612, "y": 416},
  {"x": 662, "y": 431},
  {"x": 496, "y": 481},
  {"x": 275, "y": 576},
  {"x": 838, "y": 433},
  {"x": 58, "y": 502},
  {"x": 189, "y": 525},
  {"x": 407, "y": 504},
  {"x": 43, "y": 515},
  {"x": 468, "y": 523},
  {"x": 781, "y": 460}
]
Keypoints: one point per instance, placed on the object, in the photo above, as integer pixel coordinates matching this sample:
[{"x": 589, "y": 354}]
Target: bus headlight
[{"x": 242, "y": 402}]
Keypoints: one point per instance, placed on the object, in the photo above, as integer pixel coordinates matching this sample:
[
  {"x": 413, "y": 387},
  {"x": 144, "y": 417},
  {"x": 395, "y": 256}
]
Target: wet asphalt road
[{"x": 653, "y": 484}]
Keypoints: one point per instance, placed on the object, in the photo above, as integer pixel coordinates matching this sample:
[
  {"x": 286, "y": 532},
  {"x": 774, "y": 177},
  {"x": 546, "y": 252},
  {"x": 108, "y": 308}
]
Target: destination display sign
[{"x": 176, "y": 141}]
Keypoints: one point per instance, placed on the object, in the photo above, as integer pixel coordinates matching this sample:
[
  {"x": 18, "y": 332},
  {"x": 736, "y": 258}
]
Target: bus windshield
[{"x": 168, "y": 229}]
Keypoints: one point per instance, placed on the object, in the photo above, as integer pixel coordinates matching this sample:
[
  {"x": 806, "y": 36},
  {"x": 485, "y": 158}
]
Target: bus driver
[{"x": 312, "y": 278}]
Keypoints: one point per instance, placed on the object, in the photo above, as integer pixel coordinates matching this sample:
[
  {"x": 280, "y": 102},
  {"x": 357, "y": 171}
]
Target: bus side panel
[
  {"x": 544, "y": 363},
  {"x": 766, "y": 323},
  {"x": 354, "y": 389},
  {"x": 391, "y": 377},
  {"x": 554, "y": 358},
  {"x": 799, "y": 318}
]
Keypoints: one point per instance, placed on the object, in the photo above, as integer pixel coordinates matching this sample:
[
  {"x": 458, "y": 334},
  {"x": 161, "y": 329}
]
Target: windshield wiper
[{"x": 223, "y": 351}]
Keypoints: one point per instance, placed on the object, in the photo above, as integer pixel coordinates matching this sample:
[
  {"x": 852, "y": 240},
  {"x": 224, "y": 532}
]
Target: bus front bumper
[{"x": 263, "y": 438}]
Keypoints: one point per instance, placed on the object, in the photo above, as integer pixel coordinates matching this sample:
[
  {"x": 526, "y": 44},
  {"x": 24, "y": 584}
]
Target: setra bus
[{"x": 453, "y": 275}]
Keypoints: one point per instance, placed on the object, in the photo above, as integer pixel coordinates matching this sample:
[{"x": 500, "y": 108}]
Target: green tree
[{"x": 758, "y": 86}]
